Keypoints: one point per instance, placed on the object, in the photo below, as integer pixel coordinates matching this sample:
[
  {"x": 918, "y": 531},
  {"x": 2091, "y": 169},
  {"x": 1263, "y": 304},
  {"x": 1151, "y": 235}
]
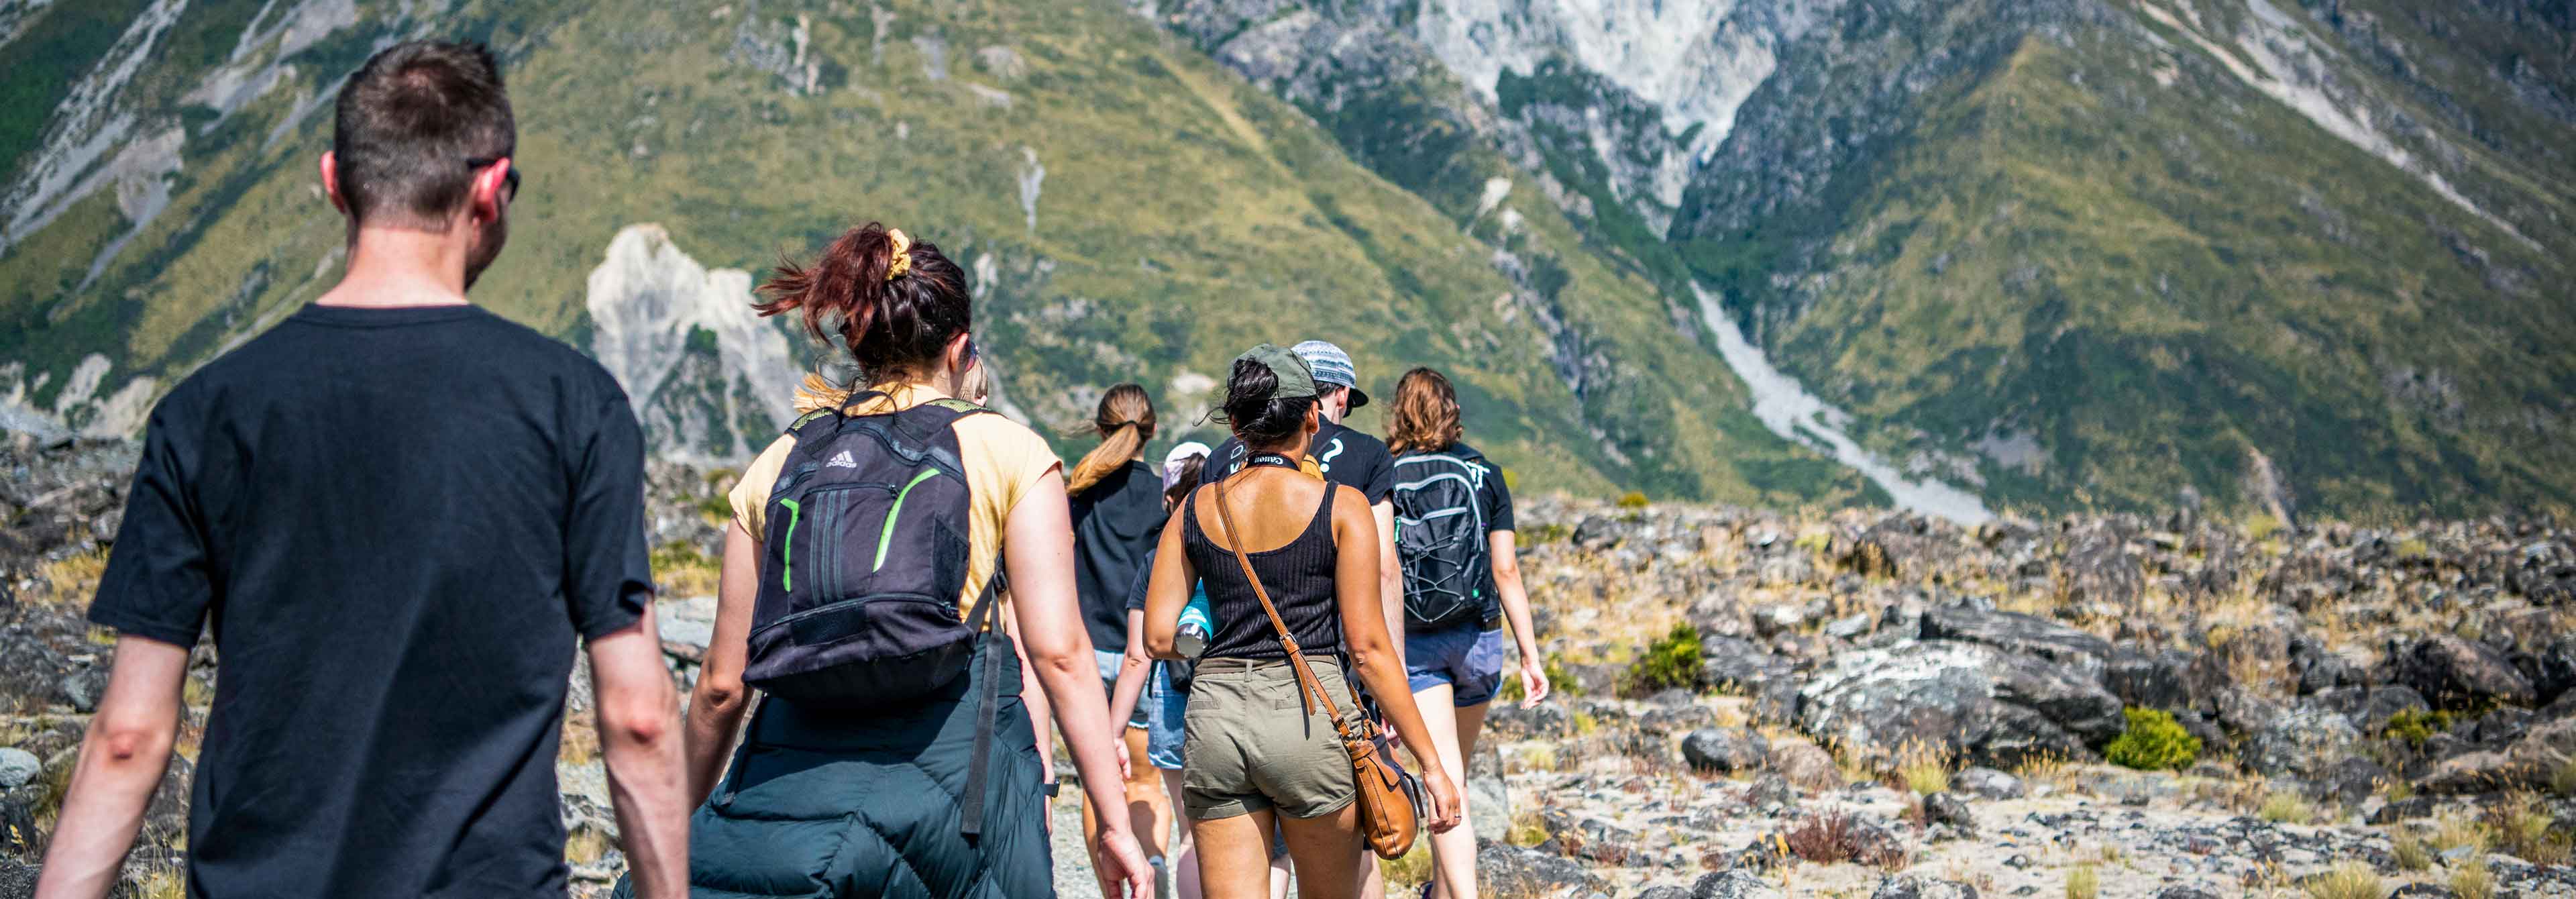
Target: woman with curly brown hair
[{"x": 1462, "y": 581}]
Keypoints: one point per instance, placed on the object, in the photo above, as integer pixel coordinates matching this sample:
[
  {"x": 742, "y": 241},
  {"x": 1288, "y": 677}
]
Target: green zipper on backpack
[
  {"x": 886, "y": 538},
  {"x": 787, "y": 549}
]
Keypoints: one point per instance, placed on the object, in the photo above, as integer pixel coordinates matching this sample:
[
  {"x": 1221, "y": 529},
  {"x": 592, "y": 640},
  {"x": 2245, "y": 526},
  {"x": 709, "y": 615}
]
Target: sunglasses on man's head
[{"x": 509, "y": 177}]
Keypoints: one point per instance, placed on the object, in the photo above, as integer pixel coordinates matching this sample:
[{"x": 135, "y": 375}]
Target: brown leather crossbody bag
[{"x": 1390, "y": 799}]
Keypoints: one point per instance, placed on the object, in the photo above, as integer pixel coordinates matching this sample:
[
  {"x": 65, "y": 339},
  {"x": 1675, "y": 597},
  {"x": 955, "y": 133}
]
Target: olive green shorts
[{"x": 1249, "y": 748}]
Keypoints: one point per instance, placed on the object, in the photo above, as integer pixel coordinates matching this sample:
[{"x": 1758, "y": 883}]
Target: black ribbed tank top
[{"x": 1299, "y": 577}]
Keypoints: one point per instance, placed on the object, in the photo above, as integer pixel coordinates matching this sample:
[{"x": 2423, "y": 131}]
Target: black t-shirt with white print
[{"x": 1347, "y": 456}]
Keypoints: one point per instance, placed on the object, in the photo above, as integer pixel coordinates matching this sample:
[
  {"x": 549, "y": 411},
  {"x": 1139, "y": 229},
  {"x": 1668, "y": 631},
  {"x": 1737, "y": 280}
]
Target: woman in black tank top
[{"x": 1252, "y": 759}]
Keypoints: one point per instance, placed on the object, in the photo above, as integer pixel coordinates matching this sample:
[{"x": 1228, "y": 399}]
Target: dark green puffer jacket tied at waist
[{"x": 840, "y": 804}]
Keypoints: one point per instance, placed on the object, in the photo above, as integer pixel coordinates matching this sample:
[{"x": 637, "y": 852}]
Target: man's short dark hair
[{"x": 406, "y": 124}]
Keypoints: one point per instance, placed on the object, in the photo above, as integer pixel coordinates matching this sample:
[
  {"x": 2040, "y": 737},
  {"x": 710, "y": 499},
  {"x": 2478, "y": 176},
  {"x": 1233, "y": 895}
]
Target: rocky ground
[{"x": 1756, "y": 703}]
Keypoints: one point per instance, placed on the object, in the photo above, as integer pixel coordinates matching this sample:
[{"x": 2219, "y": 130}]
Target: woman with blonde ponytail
[{"x": 1118, "y": 516}]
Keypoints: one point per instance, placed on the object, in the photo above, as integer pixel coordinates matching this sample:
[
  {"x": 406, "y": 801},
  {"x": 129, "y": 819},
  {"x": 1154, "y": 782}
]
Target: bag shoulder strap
[{"x": 1306, "y": 681}]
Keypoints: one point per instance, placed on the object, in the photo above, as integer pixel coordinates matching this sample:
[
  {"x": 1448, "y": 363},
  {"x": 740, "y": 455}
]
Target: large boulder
[
  {"x": 2305, "y": 743},
  {"x": 1736, "y": 884},
  {"x": 1725, "y": 749},
  {"x": 1969, "y": 700},
  {"x": 2152, "y": 679},
  {"x": 2019, "y": 633},
  {"x": 2453, "y": 673},
  {"x": 1508, "y": 870},
  {"x": 2554, "y": 669},
  {"x": 1742, "y": 667}
]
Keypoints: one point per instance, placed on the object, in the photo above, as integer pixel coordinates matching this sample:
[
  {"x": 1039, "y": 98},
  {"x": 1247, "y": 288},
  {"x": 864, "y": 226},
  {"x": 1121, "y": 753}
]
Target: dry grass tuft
[
  {"x": 2471, "y": 880},
  {"x": 2409, "y": 851},
  {"x": 2524, "y": 829},
  {"x": 587, "y": 845},
  {"x": 2454, "y": 831},
  {"x": 2283, "y": 807},
  {"x": 2085, "y": 882},
  {"x": 2349, "y": 880},
  {"x": 1923, "y": 769},
  {"x": 73, "y": 579},
  {"x": 580, "y": 738}
]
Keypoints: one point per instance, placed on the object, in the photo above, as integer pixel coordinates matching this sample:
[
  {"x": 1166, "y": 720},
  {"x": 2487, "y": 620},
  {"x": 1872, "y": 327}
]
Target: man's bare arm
[
  {"x": 639, "y": 734},
  {"x": 122, "y": 760}
]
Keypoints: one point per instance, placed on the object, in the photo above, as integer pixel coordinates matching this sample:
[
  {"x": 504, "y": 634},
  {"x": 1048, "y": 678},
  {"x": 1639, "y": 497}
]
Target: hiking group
[{"x": 401, "y": 518}]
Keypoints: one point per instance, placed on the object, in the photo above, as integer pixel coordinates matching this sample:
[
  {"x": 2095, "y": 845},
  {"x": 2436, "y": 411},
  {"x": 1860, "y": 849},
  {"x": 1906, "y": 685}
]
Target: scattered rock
[
  {"x": 1948, "y": 808},
  {"x": 1805, "y": 764},
  {"x": 2304, "y": 744},
  {"x": 1917, "y": 886},
  {"x": 1725, "y": 749},
  {"x": 1508, "y": 870},
  {"x": 2453, "y": 673},
  {"x": 1736, "y": 884},
  {"x": 1770, "y": 790},
  {"x": 83, "y": 687},
  {"x": 2183, "y": 893},
  {"x": 1987, "y": 783},
  {"x": 18, "y": 767}
]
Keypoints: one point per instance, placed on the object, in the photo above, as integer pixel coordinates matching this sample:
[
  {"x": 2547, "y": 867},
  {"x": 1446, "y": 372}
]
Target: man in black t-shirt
[{"x": 400, "y": 515}]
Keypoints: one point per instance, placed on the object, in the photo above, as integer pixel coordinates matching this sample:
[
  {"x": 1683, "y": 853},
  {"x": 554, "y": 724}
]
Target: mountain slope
[
  {"x": 2133, "y": 248},
  {"x": 2065, "y": 253},
  {"x": 1130, "y": 212}
]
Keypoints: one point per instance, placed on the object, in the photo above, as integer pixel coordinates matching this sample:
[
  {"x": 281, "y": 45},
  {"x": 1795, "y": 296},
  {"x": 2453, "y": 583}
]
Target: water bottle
[{"x": 1198, "y": 621}]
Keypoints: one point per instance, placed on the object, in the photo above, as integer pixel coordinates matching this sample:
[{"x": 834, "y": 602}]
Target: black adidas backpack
[
  {"x": 864, "y": 561},
  {"x": 1440, "y": 536}
]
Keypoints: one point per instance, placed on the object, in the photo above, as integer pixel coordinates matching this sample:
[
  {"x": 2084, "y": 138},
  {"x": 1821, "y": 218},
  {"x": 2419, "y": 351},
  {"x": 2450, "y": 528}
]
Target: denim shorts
[
  {"x": 1464, "y": 656},
  {"x": 1110, "y": 663},
  {"x": 1165, "y": 708}
]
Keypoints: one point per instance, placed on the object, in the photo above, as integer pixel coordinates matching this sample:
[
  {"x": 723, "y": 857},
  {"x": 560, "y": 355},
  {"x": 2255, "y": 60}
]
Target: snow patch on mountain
[
  {"x": 646, "y": 299},
  {"x": 1695, "y": 60}
]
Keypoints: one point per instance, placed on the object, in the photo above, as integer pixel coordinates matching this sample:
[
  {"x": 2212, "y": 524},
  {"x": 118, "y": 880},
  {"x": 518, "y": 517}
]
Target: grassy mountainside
[
  {"x": 1131, "y": 210},
  {"x": 2106, "y": 262}
]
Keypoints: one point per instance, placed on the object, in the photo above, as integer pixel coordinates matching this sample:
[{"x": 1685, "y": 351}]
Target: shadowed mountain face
[{"x": 2039, "y": 255}]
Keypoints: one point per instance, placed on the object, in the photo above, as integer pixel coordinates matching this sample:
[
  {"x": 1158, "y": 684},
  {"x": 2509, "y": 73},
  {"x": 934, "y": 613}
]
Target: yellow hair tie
[{"x": 901, "y": 259}]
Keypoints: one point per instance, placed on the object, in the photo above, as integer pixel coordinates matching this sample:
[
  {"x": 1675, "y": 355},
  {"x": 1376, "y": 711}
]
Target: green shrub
[
  {"x": 2416, "y": 725},
  {"x": 1673, "y": 661},
  {"x": 2153, "y": 742},
  {"x": 1632, "y": 500}
]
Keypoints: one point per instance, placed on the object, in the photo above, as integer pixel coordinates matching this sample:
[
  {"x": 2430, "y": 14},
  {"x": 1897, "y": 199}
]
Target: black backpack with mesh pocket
[{"x": 1440, "y": 536}]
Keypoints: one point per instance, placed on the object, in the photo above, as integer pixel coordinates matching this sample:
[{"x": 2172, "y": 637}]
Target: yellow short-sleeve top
[{"x": 1003, "y": 460}]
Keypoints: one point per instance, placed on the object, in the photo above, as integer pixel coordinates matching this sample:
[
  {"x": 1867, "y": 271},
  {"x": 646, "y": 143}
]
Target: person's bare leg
[
  {"x": 1184, "y": 861},
  {"x": 1148, "y": 806},
  {"x": 1280, "y": 876},
  {"x": 1326, "y": 850},
  {"x": 1234, "y": 855},
  {"x": 1453, "y": 854}
]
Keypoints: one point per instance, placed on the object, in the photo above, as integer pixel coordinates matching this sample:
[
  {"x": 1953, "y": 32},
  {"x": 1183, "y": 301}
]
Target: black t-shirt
[
  {"x": 397, "y": 522},
  {"x": 1115, "y": 524},
  {"x": 1348, "y": 457}
]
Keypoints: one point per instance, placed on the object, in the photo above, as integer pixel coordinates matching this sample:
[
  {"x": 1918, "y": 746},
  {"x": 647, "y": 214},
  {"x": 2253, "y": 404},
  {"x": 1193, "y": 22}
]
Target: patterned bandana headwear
[{"x": 899, "y": 261}]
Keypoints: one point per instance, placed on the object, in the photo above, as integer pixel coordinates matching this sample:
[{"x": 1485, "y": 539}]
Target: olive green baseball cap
[{"x": 1295, "y": 379}]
